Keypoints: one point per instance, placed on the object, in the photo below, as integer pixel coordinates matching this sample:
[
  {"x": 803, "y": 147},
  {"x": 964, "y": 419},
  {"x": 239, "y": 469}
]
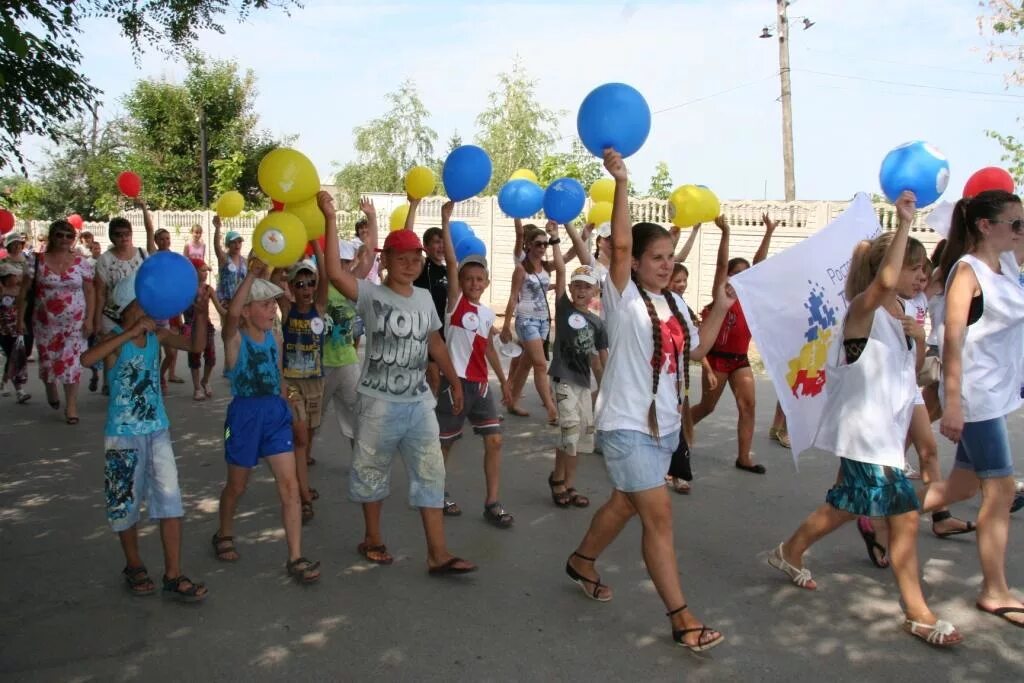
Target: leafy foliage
[
  {"x": 661, "y": 182},
  {"x": 1004, "y": 21}
]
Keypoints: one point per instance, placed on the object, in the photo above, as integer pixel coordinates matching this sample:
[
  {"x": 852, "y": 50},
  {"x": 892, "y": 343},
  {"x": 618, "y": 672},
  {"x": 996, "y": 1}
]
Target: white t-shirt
[
  {"x": 113, "y": 270},
  {"x": 629, "y": 361},
  {"x": 467, "y": 332}
]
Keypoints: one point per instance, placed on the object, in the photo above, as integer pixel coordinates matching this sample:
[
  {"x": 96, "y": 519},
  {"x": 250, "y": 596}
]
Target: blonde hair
[{"x": 867, "y": 259}]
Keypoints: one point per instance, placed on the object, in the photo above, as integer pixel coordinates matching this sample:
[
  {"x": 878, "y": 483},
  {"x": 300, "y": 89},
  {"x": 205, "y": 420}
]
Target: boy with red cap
[{"x": 396, "y": 409}]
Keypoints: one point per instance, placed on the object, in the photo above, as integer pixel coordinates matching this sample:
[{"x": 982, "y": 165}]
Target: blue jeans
[{"x": 985, "y": 448}]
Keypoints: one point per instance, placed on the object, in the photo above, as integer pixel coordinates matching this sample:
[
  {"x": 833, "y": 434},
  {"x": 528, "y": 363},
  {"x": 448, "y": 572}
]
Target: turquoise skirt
[{"x": 871, "y": 490}]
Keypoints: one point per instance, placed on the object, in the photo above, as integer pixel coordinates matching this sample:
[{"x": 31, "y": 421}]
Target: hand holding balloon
[
  {"x": 614, "y": 164},
  {"x": 906, "y": 204}
]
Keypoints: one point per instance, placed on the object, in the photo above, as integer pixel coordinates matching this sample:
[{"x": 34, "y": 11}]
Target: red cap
[
  {"x": 198, "y": 263},
  {"x": 402, "y": 240}
]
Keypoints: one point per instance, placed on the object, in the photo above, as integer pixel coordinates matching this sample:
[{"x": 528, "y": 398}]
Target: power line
[
  {"x": 912, "y": 85},
  {"x": 899, "y": 63},
  {"x": 721, "y": 92}
]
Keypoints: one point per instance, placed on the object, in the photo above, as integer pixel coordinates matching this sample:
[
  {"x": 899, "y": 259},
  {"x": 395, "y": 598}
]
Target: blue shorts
[
  {"x": 384, "y": 428},
  {"x": 140, "y": 469},
  {"x": 528, "y": 329},
  {"x": 636, "y": 461},
  {"x": 985, "y": 448},
  {"x": 257, "y": 426}
]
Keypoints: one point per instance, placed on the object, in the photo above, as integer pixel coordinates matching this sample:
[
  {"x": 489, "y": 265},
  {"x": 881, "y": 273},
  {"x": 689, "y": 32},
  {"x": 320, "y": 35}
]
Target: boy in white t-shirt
[{"x": 467, "y": 328}]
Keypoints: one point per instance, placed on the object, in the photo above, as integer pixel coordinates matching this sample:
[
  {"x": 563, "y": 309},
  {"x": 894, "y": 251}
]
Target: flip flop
[
  {"x": 755, "y": 469},
  {"x": 1001, "y": 612},
  {"x": 450, "y": 568}
]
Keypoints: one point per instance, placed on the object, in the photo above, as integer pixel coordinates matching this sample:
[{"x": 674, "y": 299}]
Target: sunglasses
[
  {"x": 120, "y": 233},
  {"x": 61, "y": 235},
  {"x": 1016, "y": 225},
  {"x": 539, "y": 244},
  {"x": 304, "y": 284}
]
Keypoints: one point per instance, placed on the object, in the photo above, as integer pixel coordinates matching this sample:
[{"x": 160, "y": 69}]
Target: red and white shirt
[{"x": 467, "y": 331}]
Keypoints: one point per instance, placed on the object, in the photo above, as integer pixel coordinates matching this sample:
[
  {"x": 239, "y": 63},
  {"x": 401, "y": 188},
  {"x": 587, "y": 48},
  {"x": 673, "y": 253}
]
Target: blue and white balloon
[{"x": 916, "y": 166}]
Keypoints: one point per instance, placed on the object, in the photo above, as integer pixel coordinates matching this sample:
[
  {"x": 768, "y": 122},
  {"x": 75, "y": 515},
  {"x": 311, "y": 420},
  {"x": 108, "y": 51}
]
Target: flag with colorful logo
[{"x": 794, "y": 306}]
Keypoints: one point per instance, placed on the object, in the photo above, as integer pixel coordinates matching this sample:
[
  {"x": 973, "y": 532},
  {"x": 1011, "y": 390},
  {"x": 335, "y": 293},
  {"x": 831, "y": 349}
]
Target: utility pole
[
  {"x": 202, "y": 157},
  {"x": 787, "y": 104}
]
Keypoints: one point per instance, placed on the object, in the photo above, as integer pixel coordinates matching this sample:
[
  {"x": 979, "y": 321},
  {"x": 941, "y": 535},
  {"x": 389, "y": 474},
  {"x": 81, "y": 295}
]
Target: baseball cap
[
  {"x": 402, "y": 240},
  {"x": 584, "y": 274},
  {"x": 304, "y": 264},
  {"x": 13, "y": 238},
  {"x": 473, "y": 259},
  {"x": 124, "y": 293},
  {"x": 347, "y": 249},
  {"x": 604, "y": 230},
  {"x": 262, "y": 290},
  {"x": 231, "y": 236}
]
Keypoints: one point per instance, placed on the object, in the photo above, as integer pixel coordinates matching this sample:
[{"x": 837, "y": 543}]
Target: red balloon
[
  {"x": 988, "y": 178},
  {"x": 278, "y": 206},
  {"x": 6, "y": 221},
  {"x": 76, "y": 221},
  {"x": 321, "y": 240},
  {"x": 129, "y": 183}
]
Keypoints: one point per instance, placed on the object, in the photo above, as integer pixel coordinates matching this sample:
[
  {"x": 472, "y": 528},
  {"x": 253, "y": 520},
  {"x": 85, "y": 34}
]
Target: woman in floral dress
[{"x": 62, "y": 316}]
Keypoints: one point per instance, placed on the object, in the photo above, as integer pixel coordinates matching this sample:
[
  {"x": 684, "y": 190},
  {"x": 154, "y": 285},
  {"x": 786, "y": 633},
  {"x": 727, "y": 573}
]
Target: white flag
[{"x": 794, "y": 306}]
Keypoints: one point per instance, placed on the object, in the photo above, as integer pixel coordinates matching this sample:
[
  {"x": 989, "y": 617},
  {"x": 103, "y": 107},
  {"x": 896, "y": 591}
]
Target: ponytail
[
  {"x": 859, "y": 275},
  {"x": 964, "y": 235}
]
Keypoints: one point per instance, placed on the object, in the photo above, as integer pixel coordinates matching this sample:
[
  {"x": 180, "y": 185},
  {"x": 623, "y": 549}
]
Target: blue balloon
[
  {"x": 467, "y": 171},
  {"x": 471, "y": 244},
  {"x": 916, "y": 166},
  {"x": 564, "y": 199},
  {"x": 614, "y": 115},
  {"x": 458, "y": 230},
  {"x": 520, "y": 198},
  {"x": 165, "y": 285}
]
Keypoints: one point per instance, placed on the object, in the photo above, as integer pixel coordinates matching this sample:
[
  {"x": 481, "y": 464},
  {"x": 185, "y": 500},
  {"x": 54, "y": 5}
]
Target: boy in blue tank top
[
  {"x": 139, "y": 459},
  {"x": 259, "y": 421}
]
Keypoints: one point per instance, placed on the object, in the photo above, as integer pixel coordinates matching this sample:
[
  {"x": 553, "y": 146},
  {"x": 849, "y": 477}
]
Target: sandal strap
[
  {"x": 584, "y": 557},
  {"x": 174, "y": 585},
  {"x": 677, "y": 611},
  {"x": 552, "y": 482},
  {"x": 941, "y": 516}
]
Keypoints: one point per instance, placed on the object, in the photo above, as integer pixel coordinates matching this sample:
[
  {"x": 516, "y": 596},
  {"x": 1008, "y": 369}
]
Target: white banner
[{"x": 794, "y": 305}]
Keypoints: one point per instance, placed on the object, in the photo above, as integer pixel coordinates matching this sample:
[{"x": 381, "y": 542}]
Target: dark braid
[
  {"x": 671, "y": 299},
  {"x": 656, "y": 357}
]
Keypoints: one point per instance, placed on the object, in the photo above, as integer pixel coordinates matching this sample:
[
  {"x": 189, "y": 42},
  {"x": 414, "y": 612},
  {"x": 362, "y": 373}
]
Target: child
[
  {"x": 259, "y": 423},
  {"x": 302, "y": 328},
  {"x": 139, "y": 459},
  {"x": 15, "y": 365},
  {"x": 231, "y": 264},
  {"x": 865, "y": 422},
  {"x": 208, "y": 357},
  {"x": 651, "y": 341},
  {"x": 581, "y": 351},
  {"x": 395, "y": 404},
  {"x": 468, "y": 340}
]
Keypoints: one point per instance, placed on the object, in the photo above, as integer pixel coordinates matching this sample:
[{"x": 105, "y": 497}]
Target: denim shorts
[
  {"x": 985, "y": 448},
  {"x": 636, "y": 461},
  {"x": 384, "y": 428},
  {"x": 528, "y": 329},
  {"x": 140, "y": 469}
]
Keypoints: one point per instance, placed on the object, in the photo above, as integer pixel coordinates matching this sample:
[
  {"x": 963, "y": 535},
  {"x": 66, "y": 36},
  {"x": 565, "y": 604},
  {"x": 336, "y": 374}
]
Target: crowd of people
[{"x": 291, "y": 342}]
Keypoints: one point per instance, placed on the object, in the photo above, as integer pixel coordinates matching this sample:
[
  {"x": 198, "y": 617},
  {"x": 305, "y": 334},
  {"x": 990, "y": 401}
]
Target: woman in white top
[
  {"x": 866, "y": 418},
  {"x": 652, "y": 340},
  {"x": 982, "y": 371}
]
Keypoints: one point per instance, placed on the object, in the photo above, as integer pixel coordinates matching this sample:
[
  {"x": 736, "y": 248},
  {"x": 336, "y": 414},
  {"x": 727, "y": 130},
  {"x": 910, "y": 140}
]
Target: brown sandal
[
  {"x": 224, "y": 546},
  {"x": 377, "y": 554},
  {"x": 307, "y": 513}
]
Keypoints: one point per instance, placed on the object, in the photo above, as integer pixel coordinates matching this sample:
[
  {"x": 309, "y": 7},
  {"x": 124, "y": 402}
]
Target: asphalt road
[{"x": 65, "y": 615}]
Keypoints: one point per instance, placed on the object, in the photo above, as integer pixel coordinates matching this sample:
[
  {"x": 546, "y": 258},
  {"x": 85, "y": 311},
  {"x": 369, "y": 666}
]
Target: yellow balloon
[
  {"x": 710, "y": 207},
  {"x": 230, "y": 204},
  {"x": 311, "y": 216},
  {"x": 279, "y": 239},
  {"x": 288, "y": 176},
  {"x": 603, "y": 190},
  {"x": 420, "y": 182},
  {"x": 687, "y": 201},
  {"x": 600, "y": 212},
  {"x": 398, "y": 216},
  {"x": 524, "y": 174}
]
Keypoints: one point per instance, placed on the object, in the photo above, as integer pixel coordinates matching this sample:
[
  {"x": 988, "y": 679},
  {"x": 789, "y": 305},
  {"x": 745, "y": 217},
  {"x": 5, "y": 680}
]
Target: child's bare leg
[
  {"x": 371, "y": 520},
  {"x": 283, "y": 467},
  {"x": 234, "y": 487},
  {"x": 492, "y": 466}
]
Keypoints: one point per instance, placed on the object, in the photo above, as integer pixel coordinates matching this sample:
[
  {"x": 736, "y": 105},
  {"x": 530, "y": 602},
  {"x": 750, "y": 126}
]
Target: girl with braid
[{"x": 652, "y": 338}]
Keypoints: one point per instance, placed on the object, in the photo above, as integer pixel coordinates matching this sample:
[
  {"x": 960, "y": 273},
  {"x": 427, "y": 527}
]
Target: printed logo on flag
[{"x": 806, "y": 376}]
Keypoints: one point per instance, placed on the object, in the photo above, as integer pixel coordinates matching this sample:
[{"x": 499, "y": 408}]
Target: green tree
[
  {"x": 22, "y": 196},
  {"x": 515, "y": 129},
  {"x": 577, "y": 163},
  {"x": 1003, "y": 20},
  {"x": 661, "y": 182},
  {"x": 388, "y": 146},
  {"x": 41, "y": 77},
  {"x": 164, "y": 121}
]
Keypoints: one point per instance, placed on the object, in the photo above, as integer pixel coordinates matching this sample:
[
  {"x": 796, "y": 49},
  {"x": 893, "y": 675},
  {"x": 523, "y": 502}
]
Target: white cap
[
  {"x": 604, "y": 230},
  {"x": 584, "y": 274},
  {"x": 262, "y": 290},
  {"x": 304, "y": 264}
]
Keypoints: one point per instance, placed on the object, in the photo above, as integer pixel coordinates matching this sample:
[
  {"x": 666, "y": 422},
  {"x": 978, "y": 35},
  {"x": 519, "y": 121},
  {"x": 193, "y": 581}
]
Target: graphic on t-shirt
[
  {"x": 672, "y": 339},
  {"x": 119, "y": 481},
  {"x": 397, "y": 352},
  {"x": 136, "y": 396},
  {"x": 258, "y": 375},
  {"x": 338, "y": 323}
]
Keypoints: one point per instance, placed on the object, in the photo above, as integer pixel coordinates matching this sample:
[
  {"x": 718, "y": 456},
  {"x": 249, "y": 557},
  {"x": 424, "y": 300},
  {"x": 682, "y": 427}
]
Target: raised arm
[
  {"x": 410, "y": 218},
  {"x": 622, "y": 231},
  {"x": 684, "y": 253},
  {"x": 147, "y": 222},
  {"x": 112, "y": 343},
  {"x": 722, "y": 262},
  {"x": 557, "y": 260},
  {"x": 578, "y": 248},
  {"x": 769, "y": 229},
  {"x": 343, "y": 280},
  {"x": 320, "y": 301},
  {"x": 218, "y": 243},
  {"x": 197, "y": 341},
  {"x": 450, "y": 262},
  {"x": 229, "y": 326},
  {"x": 365, "y": 258},
  {"x": 517, "y": 249}
]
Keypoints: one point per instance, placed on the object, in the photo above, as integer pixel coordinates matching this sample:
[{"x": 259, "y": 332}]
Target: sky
[{"x": 867, "y": 76}]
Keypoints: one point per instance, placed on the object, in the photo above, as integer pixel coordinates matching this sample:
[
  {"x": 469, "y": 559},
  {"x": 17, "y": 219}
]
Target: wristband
[{"x": 554, "y": 240}]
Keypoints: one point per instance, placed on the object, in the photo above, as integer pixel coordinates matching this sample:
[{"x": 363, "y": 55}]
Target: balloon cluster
[{"x": 289, "y": 178}]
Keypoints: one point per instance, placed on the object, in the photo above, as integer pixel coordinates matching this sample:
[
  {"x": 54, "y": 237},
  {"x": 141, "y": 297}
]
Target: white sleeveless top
[
  {"x": 870, "y": 403},
  {"x": 993, "y": 365},
  {"x": 937, "y": 314}
]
